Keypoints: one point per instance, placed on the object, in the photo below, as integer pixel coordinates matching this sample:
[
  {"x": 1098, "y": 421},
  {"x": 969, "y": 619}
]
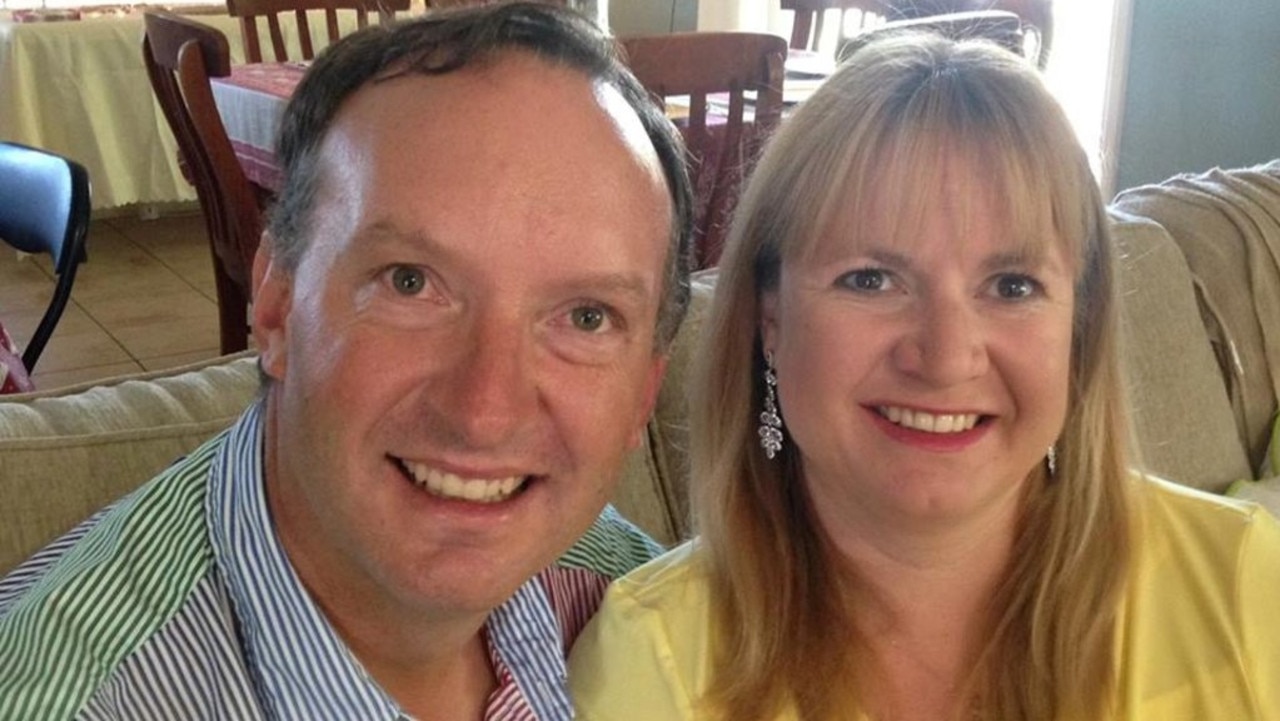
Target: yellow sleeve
[
  {"x": 1259, "y": 597},
  {"x": 624, "y": 667}
]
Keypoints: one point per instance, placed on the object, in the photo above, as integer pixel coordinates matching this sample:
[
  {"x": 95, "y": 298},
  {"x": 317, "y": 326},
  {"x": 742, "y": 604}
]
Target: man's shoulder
[
  {"x": 611, "y": 547},
  {"x": 83, "y": 607}
]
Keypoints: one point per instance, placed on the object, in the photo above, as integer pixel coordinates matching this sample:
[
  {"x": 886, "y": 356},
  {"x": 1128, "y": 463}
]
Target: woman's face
[{"x": 922, "y": 375}]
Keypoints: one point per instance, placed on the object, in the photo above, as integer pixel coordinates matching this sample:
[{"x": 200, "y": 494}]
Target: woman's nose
[{"x": 945, "y": 344}]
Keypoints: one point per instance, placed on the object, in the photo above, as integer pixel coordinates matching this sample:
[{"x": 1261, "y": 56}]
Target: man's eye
[
  {"x": 1016, "y": 287},
  {"x": 589, "y": 318},
  {"x": 408, "y": 280},
  {"x": 867, "y": 280}
]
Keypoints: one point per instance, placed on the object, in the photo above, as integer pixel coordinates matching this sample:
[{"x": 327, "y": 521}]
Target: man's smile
[{"x": 454, "y": 487}]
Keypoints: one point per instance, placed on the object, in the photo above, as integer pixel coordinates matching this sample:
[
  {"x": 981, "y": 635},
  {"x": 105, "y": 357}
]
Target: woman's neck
[{"x": 921, "y": 601}]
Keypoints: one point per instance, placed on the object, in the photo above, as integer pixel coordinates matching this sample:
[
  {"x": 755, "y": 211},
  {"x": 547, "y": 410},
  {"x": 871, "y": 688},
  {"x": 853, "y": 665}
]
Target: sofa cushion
[
  {"x": 66, "y": 453},
  {"x": 1182, "y": 417}
]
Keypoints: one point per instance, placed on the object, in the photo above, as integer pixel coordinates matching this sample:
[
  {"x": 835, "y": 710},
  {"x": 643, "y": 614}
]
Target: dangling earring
[
  {"x": 1051, "y": 460},
  {"x": 770, "y": 422}
]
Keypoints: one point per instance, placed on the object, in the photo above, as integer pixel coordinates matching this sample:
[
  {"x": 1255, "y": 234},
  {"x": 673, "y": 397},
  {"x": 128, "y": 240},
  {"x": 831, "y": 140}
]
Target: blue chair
[{"x": 44, "y": 208}]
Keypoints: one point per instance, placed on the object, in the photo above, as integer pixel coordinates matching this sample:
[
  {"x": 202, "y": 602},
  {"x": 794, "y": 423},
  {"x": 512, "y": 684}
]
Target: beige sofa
[{"x": 1201, "y": 290}]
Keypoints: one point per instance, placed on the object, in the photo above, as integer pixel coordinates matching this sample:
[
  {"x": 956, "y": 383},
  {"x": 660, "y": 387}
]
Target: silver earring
[
  {"x": 1051, "y": 460},
  {"x": 770, "y": 422}
]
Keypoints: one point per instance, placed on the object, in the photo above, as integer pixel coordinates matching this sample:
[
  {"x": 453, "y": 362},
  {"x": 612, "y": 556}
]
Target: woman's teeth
[
  {"x": 928, "y": 422},
  {"x": 448, "y": 485}
]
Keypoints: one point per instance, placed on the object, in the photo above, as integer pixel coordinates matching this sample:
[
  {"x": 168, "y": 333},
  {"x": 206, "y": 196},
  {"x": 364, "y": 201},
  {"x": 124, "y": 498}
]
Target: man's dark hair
[{"x": 442, "y": 42}]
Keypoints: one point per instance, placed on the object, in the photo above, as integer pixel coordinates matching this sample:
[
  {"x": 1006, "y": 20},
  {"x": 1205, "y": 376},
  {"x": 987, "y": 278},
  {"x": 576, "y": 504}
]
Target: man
[{"x": 461, "y": 305}]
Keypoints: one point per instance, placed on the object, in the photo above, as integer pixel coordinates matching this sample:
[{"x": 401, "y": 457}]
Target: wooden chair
[
  {"x": 270, "y": 10},
  {"x": 806, "y": 26},
  {"x": 719, "y": 68},
  {"x": 45, "y": 209},
  {"x": 181, "y": 55}
]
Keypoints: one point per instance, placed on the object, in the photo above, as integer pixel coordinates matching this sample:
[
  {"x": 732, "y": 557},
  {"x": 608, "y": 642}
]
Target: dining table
[
  {"x": 79, "y": 88},
  {"x": 251, "y": 101}
]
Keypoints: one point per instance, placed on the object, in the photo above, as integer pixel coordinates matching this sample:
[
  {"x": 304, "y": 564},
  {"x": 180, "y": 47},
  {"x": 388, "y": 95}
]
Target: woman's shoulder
[
  {"x": 1198, "y": 552},
  {"x": 1199, "y": 639},
  {"x": 677, "y": 579},
  {"x": 673, "y": 570},
  {"x": 1171, "y": 512}
]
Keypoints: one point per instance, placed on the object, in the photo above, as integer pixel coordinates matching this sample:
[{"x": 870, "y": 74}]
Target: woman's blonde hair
[{"x": 879, "y": 128}]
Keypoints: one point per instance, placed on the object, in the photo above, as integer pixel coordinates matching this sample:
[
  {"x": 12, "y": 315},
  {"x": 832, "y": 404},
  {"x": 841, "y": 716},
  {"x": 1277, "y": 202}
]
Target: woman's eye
[
  {"x": 408, "y": 280},
  {"x": 589, "y": 318},
  {"x": 1016, "y": 287},
  {"x": 866, "y": 280}
]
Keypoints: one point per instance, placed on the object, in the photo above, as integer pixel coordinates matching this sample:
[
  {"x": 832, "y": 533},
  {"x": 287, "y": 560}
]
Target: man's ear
[
  {"x": 653, "y": 384},
  {"x": 272, "y": 300}
]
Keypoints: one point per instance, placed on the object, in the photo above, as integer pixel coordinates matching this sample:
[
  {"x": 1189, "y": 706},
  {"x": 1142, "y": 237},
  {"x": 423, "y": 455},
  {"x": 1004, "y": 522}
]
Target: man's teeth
[
  {"x": 448, "y": 485},
  {"x": 928, "y": 422}
]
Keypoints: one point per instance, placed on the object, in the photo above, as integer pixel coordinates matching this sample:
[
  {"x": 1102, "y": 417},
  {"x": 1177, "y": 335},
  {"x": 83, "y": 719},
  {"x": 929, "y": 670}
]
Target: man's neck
[
  {"x": 448, "y": 689},
  {"x": 436, "y": 668}
]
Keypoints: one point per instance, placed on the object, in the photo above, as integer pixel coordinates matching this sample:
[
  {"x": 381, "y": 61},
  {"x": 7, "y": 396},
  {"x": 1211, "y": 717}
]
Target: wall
[
  {"x": 648, "y": 17},
  {"x": 1202, "y": 90}
]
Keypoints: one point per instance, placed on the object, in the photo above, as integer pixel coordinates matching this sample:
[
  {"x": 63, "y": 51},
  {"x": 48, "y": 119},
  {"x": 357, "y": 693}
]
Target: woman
[{"x": 909, "y": 445}]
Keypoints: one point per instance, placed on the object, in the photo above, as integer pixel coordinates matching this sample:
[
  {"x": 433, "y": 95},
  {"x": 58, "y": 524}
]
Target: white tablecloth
[{"x": 79, "y": 88}]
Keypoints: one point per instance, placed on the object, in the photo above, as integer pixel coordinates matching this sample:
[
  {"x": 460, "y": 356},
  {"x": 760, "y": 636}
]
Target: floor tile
[
  {"x": 72, "y": 351},
  {"x": 22, "y": 325},
  {"x": 134, "y": 311},
  {"x": 146, "y": 299},
  {"x": 181, "y": 359},
  {"x": 166, "y": 231},
  {"x": 61, "y": 379},
  {"x": 142, "y": 279},
  {"x": 166, "y": 338},
  {"x": 24, "y": 285}
]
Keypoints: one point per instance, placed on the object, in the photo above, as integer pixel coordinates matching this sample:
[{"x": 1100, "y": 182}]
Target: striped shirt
[{"x": 178, "y": 602}]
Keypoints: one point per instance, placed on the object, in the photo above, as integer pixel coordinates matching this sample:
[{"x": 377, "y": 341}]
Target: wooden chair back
[
  {"x": 807, "y": 22},
  {"x": 181, "y": 55},
  {"x": 249, "y": 11},
  {"x": 44, "y": 209},
  {"x": 720, "y": 68}
]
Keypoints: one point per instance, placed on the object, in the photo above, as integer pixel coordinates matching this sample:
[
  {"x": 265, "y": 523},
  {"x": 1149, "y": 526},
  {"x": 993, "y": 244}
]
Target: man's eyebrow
[
  {"x": 608, "y": 284},
  {"x": 384, "y": 232}
]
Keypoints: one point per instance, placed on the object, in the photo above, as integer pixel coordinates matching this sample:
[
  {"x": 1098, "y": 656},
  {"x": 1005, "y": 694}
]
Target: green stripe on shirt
[
  {"x": 612, "y": 546},
  {"x": 122, "y": 581}
]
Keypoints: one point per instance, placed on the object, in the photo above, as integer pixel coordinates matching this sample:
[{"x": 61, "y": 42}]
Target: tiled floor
[{"x": 144, "y": 301}]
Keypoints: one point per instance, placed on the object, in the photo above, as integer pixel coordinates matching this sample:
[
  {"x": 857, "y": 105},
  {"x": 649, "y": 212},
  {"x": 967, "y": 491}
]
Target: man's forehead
[{"x": 506, "y": 73}]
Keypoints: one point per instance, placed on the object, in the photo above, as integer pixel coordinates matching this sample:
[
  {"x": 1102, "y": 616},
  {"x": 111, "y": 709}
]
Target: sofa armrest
[{"x": 1186, "y": 430}]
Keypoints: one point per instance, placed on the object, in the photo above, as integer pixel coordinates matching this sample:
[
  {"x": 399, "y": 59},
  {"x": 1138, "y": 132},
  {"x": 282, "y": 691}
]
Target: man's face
[{"x": 465, "y": 352}]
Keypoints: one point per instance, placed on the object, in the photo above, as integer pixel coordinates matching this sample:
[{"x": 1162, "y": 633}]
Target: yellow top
[{"x": 1199, "y": 634}]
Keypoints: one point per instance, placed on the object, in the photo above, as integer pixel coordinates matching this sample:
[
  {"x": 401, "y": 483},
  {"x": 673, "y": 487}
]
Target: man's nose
[
  {"x": 487, "y": 391},
  {"x": 945, "y": 344}
]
